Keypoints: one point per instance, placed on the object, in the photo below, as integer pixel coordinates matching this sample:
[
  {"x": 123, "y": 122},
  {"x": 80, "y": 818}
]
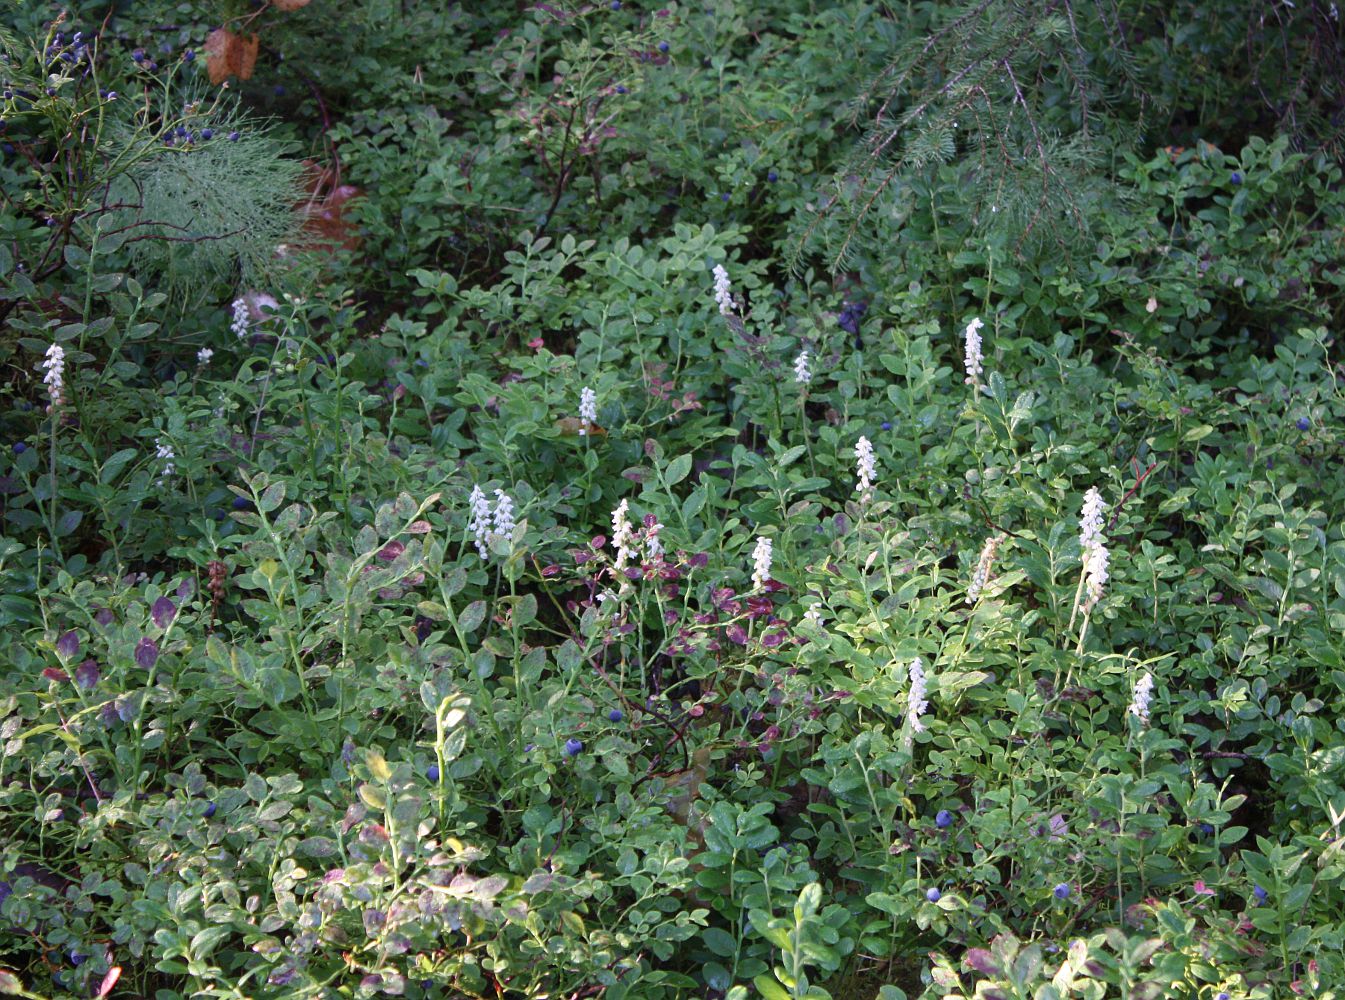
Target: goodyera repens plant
[
  {"x": 1094, "y": 548},
  {"x": 54, "y": 366},
  {"x": 486, "y": 524},
  {"x": 761, "y": 563},
  {"x": 972, "y": 359},
  {"x": 723, "y": 294},
  {"x": 866, "y": 466}
]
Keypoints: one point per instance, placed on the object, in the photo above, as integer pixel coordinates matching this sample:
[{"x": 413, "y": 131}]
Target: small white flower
[
  {"x": 761, "y": 563},
  {"x": 866, "y": 465},
  {"x": 1095, "y": 557},
  {"x": 504, "y": 514},
  {"x": 588, "y": 408},
  {"x": 163, "y": 450},
  {"x": 1090, "y": 519},
  {"x": 54, "y": 366},
  {"x": 813, "y": 616},
  {"x": 981, "y": 576},
  {"x": 241, "y": 318},
  {"x": 623, "y": 535},
  {"x": 652, "y": 545},
  {"x": 480, "y": 522},
  {"x": 973, "y": 358},
  {"x": 802, "y": 374},
  {"x": 723, "y": 294},
  {"x": 916, "y": 700},
  {"x": 1139, "y": 702},
  {"x": 1095, "y": 575},
  {"x": 203, "y": 356}
]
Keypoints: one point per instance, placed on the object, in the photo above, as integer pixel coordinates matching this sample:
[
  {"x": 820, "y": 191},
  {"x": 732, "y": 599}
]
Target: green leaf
[
  {"x": 769, "y": 988},
  {"x": 472, "y": 616},
  {"x": 677, "y": 470},
  {"x": 719, "y": 941}
]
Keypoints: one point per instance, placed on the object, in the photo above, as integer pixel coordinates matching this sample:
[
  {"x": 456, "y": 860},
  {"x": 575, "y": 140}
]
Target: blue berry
[
  {"x": 1303, "y": 423},
  {"x": 180, "y": 131},
  {"x": 209, "y": 810},
  {"x": 207, "y": 133},
  {"x": 573, "y": 747},
  {"x": 432, "y": 772},
  {"x": 189, "y": 55},
  {"x": 1061, "y": 891},
  {"x": 943, "y": 819},
  {"x": 278, "y": 90},
  {"x": 1260, "y": 894},
  {"x": 621, "y": 90},
  {"x": 615, "y": 715},
  {"x": 242, "y": 503},
  {"x": 887, "y": 425},
  {"x": 1206, "y": 828},
  {"x": 724, "y": 196},
  {"x": 616, "y": 4},
  {"x": 19, "y": 447},
  {"x": 664, "y": 47},
  {"x": 1221, "y": 996},
  {"x": 772, "y": 177},
  {"x": 1235, "y": 177},
  {"x": 933, "y": 895},
  {"x": 233, "y": 136}
]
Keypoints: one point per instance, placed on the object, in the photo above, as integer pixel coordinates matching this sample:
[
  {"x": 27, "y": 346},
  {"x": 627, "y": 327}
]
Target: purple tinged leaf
[
  {"x": 186, "y": 588},
  {"x": 162, "y": 612},
  {"x": 87, "y": 674},
  {"x": 982, "y": 961},
  {"x": 146, "y": 653},
  {"x": 104, "y": 617},
  {"x": 67, "y": 646}
]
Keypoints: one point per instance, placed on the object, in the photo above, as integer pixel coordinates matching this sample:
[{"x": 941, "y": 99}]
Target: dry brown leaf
[
  {"x": 574, "y": 427},
  {"x": 227, "y": 54},
  {"x": 322, "y": 211}
]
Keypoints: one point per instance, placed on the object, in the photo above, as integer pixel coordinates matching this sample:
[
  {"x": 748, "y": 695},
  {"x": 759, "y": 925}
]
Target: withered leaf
[{"x": 228, "y": 54}]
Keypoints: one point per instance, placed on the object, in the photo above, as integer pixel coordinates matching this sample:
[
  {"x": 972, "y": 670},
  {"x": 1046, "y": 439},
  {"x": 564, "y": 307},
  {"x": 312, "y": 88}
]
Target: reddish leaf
[{"x": 109, "y": 981}]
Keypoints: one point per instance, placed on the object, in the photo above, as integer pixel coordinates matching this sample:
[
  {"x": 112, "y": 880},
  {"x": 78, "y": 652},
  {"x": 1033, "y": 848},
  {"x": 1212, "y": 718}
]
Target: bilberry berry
[
  {"x": 772, "y": 177},
  {"x": 209, "y": 810},
  {"x": 1235, "y": 177},
  {"x": 432, "y": 772},
  {"x": 189, "y": 55},
  {"x": 207, "y": 133},
  {"x": 573, "y": 747},
  {"x": 1303, "y": 423},
  {"x": 615, "y": 715},
  {"x": 19, "y": 447},
  {"x": 933, "y": 895},
  {"x": 616, "y": 4},
  {"x": 664, "y": 47},
  {"x": 943, "y": 819},
  {"x": 233, "y": 136},
  {"x": 1061, "y": 891},
  {"x": 1260, "y": 894},
  {"x": 887, "y": 425}
]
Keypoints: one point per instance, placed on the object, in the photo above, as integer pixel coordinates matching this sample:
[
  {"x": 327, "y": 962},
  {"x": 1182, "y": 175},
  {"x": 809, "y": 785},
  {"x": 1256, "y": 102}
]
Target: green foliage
[{"x": 345, "y": 650}]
